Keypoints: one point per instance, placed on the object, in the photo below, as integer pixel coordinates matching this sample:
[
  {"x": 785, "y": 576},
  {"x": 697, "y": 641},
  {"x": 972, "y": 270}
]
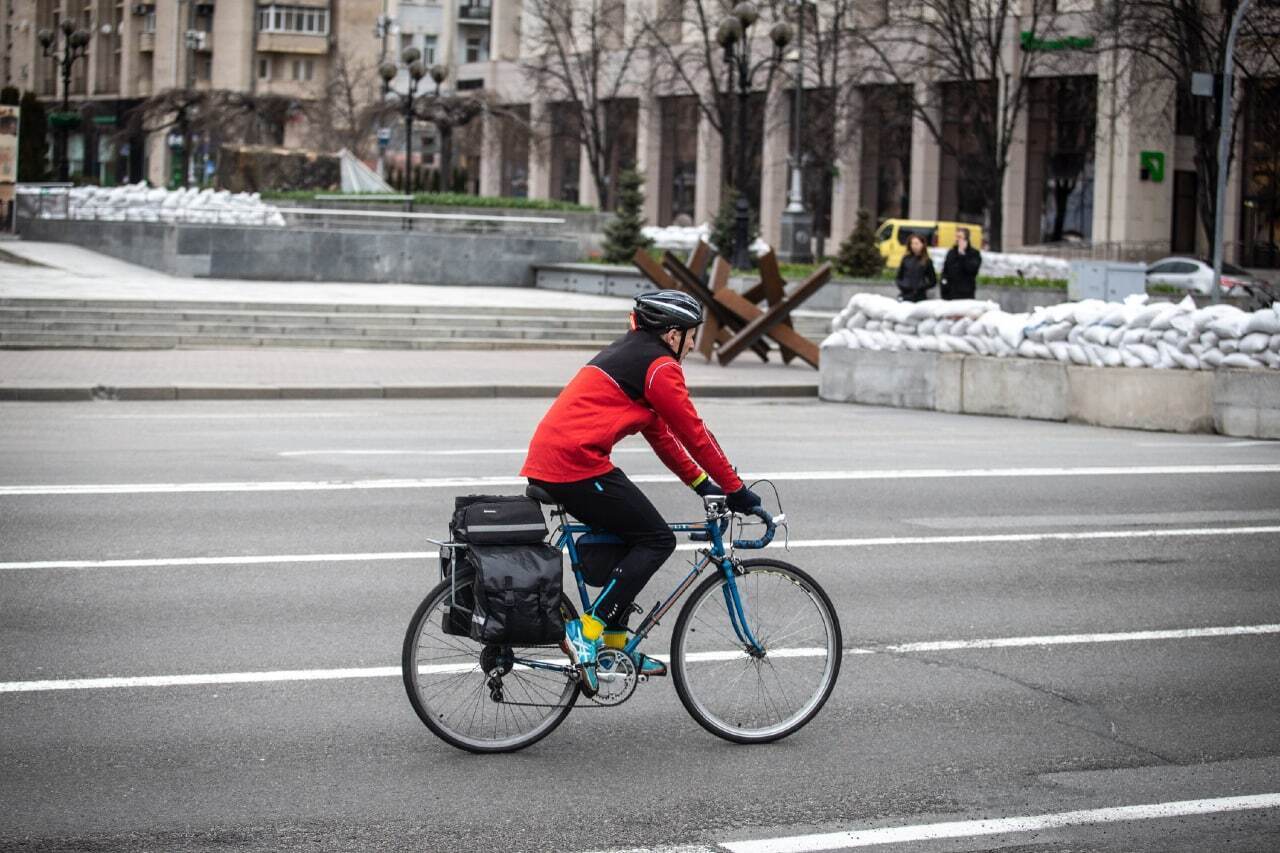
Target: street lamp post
[
  {"x": 412, "y": 59},
  {"x": 75, "y": 46},
  {"x": 797, "y": 223},
  {"x": 733, "y": 35}
]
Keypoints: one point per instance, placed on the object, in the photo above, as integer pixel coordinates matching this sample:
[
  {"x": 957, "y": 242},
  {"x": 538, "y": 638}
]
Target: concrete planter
[{"x": 1242, "y": 403}]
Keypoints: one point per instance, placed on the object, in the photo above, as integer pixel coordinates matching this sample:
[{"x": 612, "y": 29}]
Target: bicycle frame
[{"x": 716, "y": 554}]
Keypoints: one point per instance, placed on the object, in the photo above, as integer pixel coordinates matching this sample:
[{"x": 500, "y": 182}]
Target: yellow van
[{"x": 892, "y": 236}]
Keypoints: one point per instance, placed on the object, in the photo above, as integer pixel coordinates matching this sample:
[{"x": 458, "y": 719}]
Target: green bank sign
[{"x": 1030, "y": 41}]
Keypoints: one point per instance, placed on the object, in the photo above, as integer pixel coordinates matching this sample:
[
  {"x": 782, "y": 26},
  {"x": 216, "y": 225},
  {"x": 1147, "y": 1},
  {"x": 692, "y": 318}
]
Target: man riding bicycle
[{"x": 633, "y": 385}]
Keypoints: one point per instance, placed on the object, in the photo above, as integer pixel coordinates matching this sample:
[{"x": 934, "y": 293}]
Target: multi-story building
[
  {"x": 1083, "y": 160},
  {"x": 140, "y": 49},
  {"x": 1080, "y": 160}
]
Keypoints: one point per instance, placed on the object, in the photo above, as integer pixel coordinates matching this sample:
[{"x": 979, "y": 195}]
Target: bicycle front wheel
[
  {"x": 449, "y": 682},
  {"x": 753, "y": 698}
]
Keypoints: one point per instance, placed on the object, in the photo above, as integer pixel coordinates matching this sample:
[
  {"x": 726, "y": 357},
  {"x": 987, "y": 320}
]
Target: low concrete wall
[
  {"x": 291, "y": 254},
  {"x": 926, "y": 380},
  {"x": 1242, "y": 403}
]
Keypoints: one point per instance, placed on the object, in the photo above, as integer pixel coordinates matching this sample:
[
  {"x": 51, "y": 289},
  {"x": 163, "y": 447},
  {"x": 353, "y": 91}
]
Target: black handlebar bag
[{"x": 517, "y": 594}]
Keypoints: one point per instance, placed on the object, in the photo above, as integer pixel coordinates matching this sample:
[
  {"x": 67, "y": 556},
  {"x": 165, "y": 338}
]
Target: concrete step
[{"x": 55, "y": 323}]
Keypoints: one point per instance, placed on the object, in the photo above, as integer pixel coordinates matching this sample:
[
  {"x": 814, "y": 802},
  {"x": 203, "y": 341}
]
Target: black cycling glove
[
  {"x": 743, "y": 500},
  {"x": 708, "y": 487}
]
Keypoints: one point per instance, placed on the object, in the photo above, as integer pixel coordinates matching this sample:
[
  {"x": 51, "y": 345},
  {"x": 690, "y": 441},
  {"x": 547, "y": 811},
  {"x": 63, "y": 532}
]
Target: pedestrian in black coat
[
  {"x": 915, "y": 273},
  {"x": 960, "y": 269}
]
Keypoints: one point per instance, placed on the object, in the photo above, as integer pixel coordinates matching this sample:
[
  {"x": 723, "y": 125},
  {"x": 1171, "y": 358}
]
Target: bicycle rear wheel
[
  {"x": 757, "y": 699},
  {"x": 446, "y": 677}
]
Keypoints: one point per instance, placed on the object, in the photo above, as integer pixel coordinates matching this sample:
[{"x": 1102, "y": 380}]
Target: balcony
[
  {"x": 474, "y": 13},
  {"x": 146, "y": 42},
  {"x": 293, "y": 43}
]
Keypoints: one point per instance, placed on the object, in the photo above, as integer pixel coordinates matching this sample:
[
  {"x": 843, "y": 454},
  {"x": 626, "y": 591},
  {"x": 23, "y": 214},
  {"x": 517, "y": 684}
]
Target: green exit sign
[{"x": 1152, "y": 165}]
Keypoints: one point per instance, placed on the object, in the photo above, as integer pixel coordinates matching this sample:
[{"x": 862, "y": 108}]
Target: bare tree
[
  {"x": 341, "y": 109},
  {"x": 969, "y": 49},
  {"x": 585, "y": 54},
  {"x": 221, "y": 115},
  {"x": 446, "y": 111},
  {"x": 1168, "y": 40}
]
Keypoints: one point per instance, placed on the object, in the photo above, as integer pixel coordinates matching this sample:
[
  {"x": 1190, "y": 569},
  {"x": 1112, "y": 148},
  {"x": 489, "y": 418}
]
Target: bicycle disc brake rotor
[{"x": 617, "y": 675}]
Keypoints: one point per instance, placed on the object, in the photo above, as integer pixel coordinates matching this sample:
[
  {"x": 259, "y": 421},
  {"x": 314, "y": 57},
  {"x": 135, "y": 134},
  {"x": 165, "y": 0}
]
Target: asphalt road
[{"x": 163, "y": 539}]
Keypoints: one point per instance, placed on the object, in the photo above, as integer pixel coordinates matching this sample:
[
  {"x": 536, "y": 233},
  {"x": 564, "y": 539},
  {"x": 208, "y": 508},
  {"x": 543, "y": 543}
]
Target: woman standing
[{"x": 915, "y": 273}]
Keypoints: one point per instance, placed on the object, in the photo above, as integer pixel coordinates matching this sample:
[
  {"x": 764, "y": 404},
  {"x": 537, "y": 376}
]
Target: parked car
[
  {"x": 892, "y": 236},
  {"x": 1196, "y": 275}
]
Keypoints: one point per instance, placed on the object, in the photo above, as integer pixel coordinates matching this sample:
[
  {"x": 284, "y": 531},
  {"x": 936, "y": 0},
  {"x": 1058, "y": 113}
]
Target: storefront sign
[
  {"x": 8, "y": 145},
  {"x": 1152, "y": 165},
  {"x": 1030, "y": 41}
]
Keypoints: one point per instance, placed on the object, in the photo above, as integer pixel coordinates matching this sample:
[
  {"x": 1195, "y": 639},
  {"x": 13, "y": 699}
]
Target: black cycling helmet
[{"x": 667, "y": 309}]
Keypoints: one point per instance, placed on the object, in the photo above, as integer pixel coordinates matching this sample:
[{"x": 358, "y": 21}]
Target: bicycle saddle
[{"x": 540, "y": 495}]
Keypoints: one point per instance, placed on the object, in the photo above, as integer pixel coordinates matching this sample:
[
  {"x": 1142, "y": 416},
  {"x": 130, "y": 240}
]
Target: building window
[
  {"x": 149, "y": 21},
  {"x": 303, "y": 69},
  {"x": 477, "y": 49},
  {"x": 293, "y": 19},
  {"x": 429, "y": 50},
  {"x": 264, "y": 69}
]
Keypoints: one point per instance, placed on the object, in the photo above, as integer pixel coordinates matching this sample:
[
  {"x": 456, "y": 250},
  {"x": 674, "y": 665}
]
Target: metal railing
[{"x": 53, "y": 201}]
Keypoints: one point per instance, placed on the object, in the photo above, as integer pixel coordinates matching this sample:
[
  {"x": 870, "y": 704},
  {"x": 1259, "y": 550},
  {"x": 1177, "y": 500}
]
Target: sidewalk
[{"x": 70, "y": 374}]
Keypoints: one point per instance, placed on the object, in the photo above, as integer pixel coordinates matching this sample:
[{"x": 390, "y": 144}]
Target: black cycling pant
[{"x": 612, "y": 503}]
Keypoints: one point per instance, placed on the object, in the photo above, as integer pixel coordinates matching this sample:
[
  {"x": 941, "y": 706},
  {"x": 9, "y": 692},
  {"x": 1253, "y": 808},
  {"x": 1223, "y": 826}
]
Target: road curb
[{"x": 353, "y": 392}]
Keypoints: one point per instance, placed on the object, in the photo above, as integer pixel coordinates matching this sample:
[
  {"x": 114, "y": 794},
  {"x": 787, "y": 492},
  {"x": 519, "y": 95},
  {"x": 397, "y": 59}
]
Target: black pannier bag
[
  {"x": 461, "y": 601},
  {"x": 598, "y": 555},
  {"x": 497, "y": 520},
  {"x": 517, "y": 594},
  {"x": 495, "y": 528}
]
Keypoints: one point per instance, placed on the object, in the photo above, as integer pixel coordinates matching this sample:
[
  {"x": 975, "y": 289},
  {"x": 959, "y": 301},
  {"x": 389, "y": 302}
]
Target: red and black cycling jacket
[{"x": 633, "y": 385}]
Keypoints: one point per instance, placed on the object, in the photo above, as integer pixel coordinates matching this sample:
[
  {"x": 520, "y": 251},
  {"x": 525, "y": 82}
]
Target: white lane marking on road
[
  {"x": 1115, "y": 519},
  {"x": 1000, "y": 826},
  {"x": 1208, "y": 442},
  {"x": 1078, "y": 639},
  {"x": 873, "y": 542},
  {"x": 699, "y": 657},
  {"x": 481, "y": 482},
  {"x": 209, "y": 416},
  {"x": 506, "y": 451}
]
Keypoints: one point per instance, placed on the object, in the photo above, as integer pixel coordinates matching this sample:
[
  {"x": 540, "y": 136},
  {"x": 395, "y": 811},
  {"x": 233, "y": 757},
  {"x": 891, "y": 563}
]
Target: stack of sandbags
[
  {"x": 141, "y": 203},
  {"x": 1160, "y": 335}
]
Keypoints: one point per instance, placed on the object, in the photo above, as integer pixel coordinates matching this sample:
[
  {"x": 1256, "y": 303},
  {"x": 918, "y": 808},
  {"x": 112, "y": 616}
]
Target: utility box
[{"x": 1110, "y": 281}]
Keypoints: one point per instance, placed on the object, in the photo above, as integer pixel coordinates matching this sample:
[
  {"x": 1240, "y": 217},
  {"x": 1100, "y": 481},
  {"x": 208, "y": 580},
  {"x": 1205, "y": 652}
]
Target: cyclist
[{"x": 635, "y": 384}]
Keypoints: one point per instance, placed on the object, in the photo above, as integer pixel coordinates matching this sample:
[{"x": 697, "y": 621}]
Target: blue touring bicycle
[{"x": 755, "y": 651}]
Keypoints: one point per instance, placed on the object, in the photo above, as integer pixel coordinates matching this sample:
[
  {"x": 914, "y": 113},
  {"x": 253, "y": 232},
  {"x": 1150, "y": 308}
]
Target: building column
[
  {"x": 926, "y": 158},
  {"x": 157, "y": 165},
  {"x": 539, "y": 150},
  {"x": 649, "y": 154},
  {"x": 586, "y": 180},
  {"x": 1013, "y": 201},
  {"x": 708, "y": 188},
  {"x": 1126, "y": 208},
  {"x": 775, "y": 171},
  {"x": 505, "y": 30},
  {"x": 490, "y": 155},
  {"x": 846, "y": 186}
]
